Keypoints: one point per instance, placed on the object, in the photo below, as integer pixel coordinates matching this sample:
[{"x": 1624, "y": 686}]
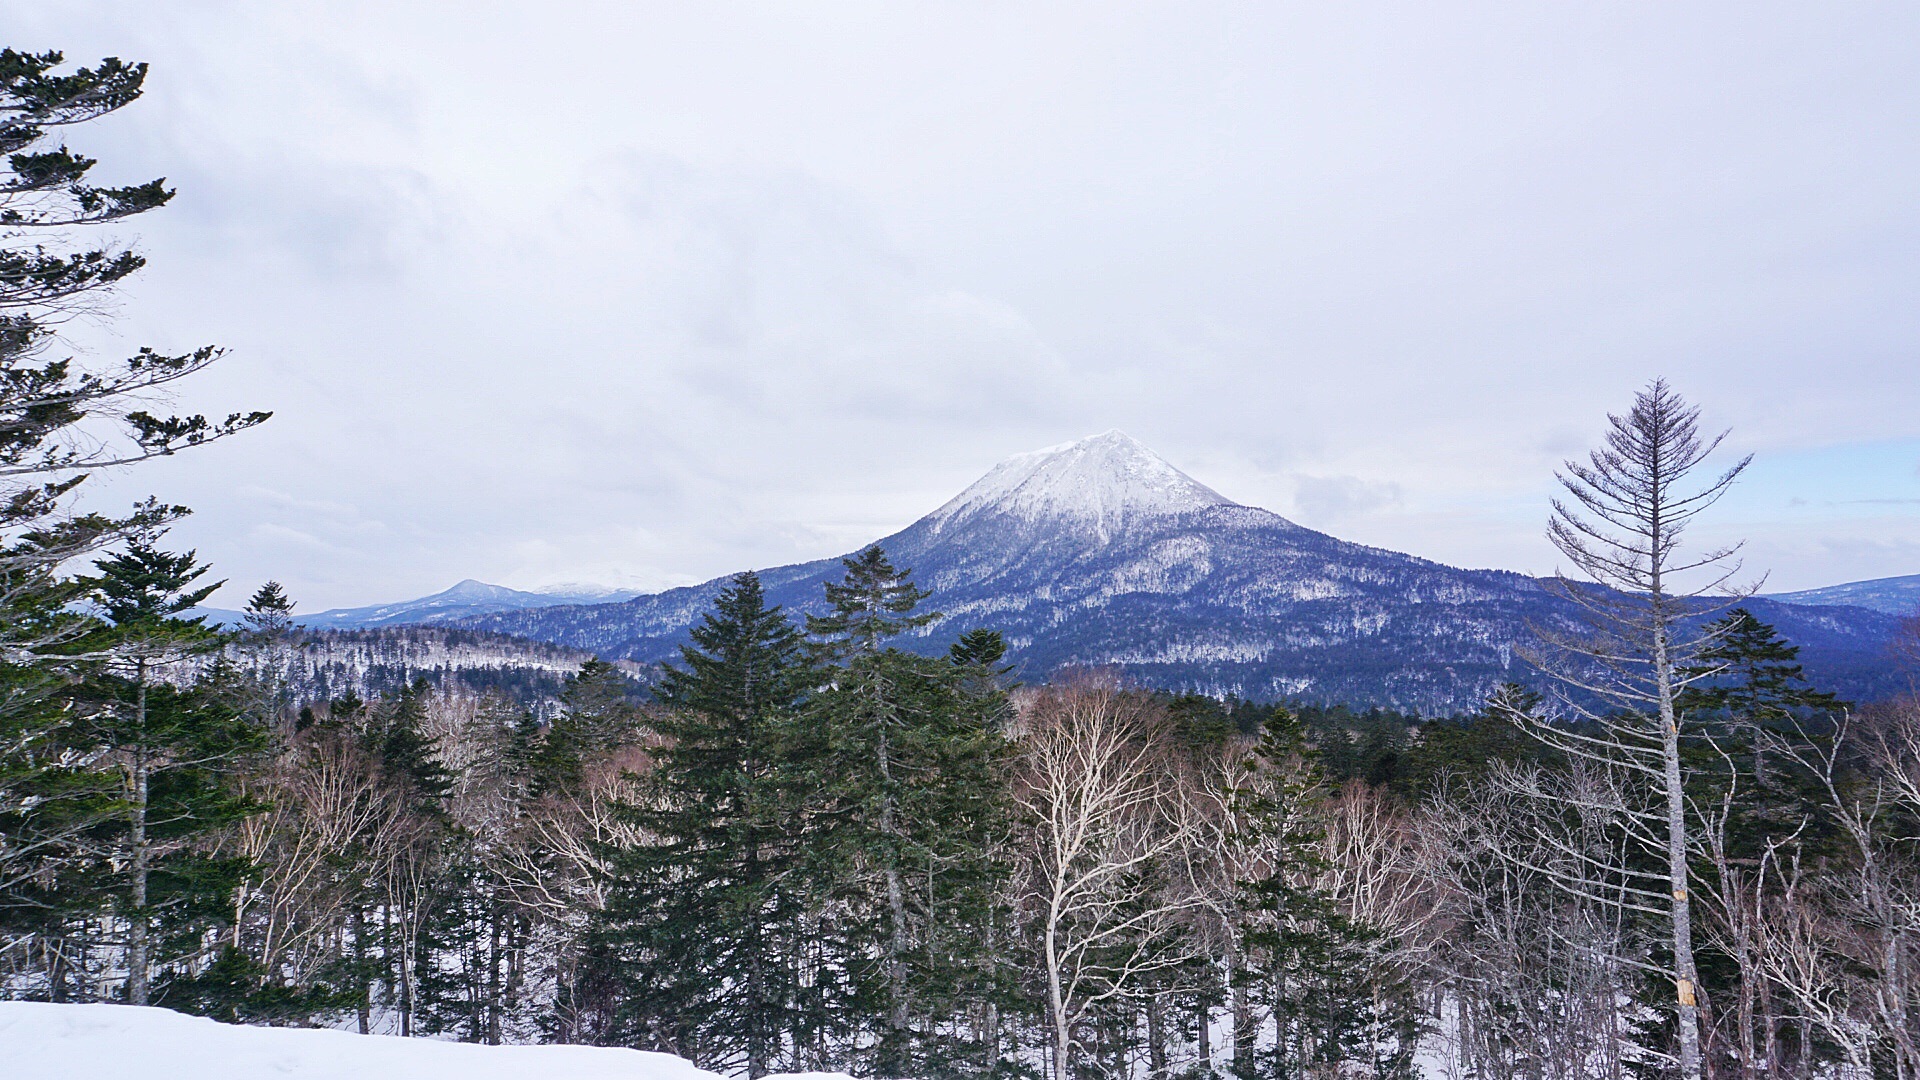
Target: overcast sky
[{"x": 645, "y": 293}]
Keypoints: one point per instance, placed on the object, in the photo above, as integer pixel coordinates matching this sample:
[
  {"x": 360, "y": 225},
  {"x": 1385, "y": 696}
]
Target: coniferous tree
[
  {"x": 708, "y": 917},
  {"x": 981, "y": 940},
  {"x": 595, "y": 717},
  {"x": 45, "y": 193},
  {"x": 1754, "y": 722},
  {"x": 167, "y": 745},
  {"x": 50, "y": 797},
  {"x": 1315, "y": 965},
  {"x": 1747, "y": 683},
  {"x": 269, "y": 612},
  {"x": 918, "y": 784}
]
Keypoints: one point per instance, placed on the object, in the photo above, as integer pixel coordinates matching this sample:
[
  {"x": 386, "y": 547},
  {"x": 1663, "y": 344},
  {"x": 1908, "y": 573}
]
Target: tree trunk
[
  {"x": 406, "y": 985},
  {"x": 758, "y": 1049},
  {"x": 496, "y": 979},
  {"x": 897, "y": 1011},
  {"x": 360, "y": 967},
  {"x": 1203, "y": 1050},
  {"x": 138, "y": 959},
  {"x": 1242, "y": 1013},
  {"x": 1686, "y": 977},
  {"x": 990, "y": 1039},
  {"x": 1157, "y": 1036},
  {"x": 1056, "y": 1002}
]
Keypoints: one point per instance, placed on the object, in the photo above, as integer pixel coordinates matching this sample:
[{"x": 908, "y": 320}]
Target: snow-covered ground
[{"x": 84, "y": 1042}]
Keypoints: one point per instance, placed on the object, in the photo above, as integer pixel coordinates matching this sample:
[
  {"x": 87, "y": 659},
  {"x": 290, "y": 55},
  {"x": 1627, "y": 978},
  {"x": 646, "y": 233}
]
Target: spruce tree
[
  {"x": 46, "y": 195},
  {"x": 397, "y": 735},
  {"x": 269, "y": 612},
  {"x": 918, "y": 786},
  {"x": 595, "y": 717},
  {"x": 708, "y": 920},
  {"x": 168, "y": 746},
  {"x": 49, "y": 197},
  {"x": 1333, "y": 1001},
  {"x": 1748, "y": 685},
  {"x": 1753, "y": 722}
]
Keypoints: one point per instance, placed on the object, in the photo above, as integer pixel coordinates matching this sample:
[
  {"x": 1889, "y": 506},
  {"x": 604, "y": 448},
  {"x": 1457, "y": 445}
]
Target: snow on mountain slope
[
  {"x": 1893, "y": 595},
  {"x": 1099, "y": 553},
  {"x": 1103, "y": 483},
  {"x": 72, "y": 1042},
  {"x": 464, "y": 600}
]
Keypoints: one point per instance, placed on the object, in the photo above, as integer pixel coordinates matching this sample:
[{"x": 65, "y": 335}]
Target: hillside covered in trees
[{"x": 1101, "y": 554}]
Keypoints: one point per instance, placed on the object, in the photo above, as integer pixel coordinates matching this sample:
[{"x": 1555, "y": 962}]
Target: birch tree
[{"x": 1106, "y": 822}]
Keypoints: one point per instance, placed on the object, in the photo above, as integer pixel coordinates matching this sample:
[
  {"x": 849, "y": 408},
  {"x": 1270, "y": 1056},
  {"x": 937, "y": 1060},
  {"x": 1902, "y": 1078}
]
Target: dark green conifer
[
  {"x": 168, "y": 745},
  {"x": 1333, "y": 1001},
  {"x": 918, "y": 787},
  {"x": 50, "y": 794},
  {"x": 596, "y": 716},
  {"x": 708, "y": 920},
  {"x": 1747, "y": 684}
]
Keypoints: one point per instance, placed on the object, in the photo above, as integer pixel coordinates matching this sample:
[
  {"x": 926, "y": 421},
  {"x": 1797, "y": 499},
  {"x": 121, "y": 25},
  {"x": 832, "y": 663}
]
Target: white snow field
[{"x": 108, "y": 1042}]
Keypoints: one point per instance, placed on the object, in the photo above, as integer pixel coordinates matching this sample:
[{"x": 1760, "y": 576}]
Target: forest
[
  {"x": 804, "y": 848},
  {"x": 809, "y": 850}
]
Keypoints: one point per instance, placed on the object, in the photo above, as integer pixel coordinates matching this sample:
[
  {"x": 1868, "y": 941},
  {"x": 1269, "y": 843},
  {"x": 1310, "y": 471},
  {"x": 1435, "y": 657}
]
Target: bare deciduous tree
[
  {"x": 1628, "y": 508},
  {"x": 1106, "y": 823}
]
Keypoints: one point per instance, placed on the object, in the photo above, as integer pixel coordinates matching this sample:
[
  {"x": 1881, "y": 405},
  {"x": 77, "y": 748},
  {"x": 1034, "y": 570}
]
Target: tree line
[{"x": 811, "y": 850}]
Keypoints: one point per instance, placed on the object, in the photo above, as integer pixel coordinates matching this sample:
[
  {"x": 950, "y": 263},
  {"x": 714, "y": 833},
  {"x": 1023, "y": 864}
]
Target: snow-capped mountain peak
[{"x": 1103, "y": 482}]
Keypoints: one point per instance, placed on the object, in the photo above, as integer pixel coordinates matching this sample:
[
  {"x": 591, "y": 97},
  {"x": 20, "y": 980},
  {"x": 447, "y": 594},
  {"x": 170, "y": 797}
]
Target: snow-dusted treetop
[{"x": 1105, "y": 482}]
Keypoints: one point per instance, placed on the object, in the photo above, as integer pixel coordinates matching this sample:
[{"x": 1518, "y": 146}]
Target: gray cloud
[{"x": 1338, "y": 498}]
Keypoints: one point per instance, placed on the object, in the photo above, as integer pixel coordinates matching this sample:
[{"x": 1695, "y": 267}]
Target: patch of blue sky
[{"x": 1848, "y": 480}]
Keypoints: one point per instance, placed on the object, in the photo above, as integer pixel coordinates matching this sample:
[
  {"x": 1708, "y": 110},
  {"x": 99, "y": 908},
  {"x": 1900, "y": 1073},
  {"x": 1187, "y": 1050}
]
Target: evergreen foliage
[
  {"x": 168, "y": 747},
  {"x": 64, "y": 746},
  {"x": 1314, "y": 965},
  {"x": 913, "y": 775},
  {"x": 709, "y": 918}
]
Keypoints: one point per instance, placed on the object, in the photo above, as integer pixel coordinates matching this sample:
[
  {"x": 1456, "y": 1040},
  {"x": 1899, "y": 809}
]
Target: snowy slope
[
  {"x": 1893, "y": 595},
  {"x": 1099, "y": 553},
  {"x": 1102, "y": 484},
  {"x": 465, "y": 600},
  {"x": 79, "y": 1042}
]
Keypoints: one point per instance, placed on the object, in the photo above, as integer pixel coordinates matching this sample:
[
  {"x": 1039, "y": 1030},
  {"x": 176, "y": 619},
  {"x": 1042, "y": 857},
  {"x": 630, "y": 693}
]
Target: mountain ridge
[
  {"x": 1893, "y": 595},
  {"x": 467, "y": 598},
  {"x": 1098, "y": 553}
]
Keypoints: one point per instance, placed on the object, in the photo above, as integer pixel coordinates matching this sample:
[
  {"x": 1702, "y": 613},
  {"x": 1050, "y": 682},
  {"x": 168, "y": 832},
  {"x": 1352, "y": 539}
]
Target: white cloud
[{"x": 651, "y": 292}]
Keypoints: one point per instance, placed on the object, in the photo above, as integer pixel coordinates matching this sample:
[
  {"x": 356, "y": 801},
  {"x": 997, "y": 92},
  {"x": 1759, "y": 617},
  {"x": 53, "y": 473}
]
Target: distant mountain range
[
  {"x": 1100, "y": 553},
  {"x": 1893, "y": 595},
  {"x": 466, "y": 600}
]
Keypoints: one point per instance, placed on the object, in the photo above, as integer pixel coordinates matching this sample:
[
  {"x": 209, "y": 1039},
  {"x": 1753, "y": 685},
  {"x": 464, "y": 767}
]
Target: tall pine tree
[
  {"x": 708, "y": 921},
  {"x": 168, "y": 746},
  {"x": 917, "y": 784}
]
